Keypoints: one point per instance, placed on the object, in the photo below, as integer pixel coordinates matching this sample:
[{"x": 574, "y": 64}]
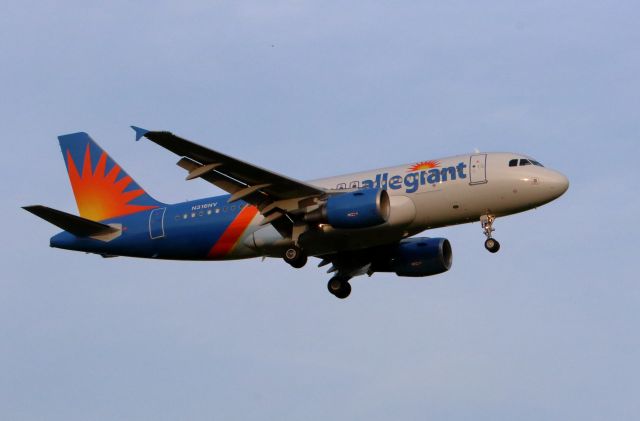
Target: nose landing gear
[
  {"x": 339, "y": 286},
  {"x": 491, "y": 244}
]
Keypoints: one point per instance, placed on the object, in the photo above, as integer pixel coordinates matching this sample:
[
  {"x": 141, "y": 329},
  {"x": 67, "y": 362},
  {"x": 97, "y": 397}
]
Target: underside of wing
[{"x": 414, "y": 257}]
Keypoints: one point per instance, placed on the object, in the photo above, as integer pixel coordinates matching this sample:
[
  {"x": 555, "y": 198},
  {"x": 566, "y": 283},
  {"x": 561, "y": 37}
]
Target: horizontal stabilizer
[{"x": 76, "y": 225}]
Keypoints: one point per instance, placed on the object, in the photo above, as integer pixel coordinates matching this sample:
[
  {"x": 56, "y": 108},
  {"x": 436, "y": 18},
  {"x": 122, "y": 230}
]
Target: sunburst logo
[
  {"x": 98, "y": 195},
  {"x": 424, "y": 165}
]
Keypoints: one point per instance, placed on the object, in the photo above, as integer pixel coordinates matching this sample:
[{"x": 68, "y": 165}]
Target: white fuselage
[{"x": 426, "y": 195}]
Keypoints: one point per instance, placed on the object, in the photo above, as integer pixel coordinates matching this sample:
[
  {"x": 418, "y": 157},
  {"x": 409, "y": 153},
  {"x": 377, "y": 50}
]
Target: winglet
[{"x": 140, "y": 132}]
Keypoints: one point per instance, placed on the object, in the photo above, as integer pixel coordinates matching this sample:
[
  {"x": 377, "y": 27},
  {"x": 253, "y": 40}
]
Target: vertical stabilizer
[{"x": 102, "y": 189}]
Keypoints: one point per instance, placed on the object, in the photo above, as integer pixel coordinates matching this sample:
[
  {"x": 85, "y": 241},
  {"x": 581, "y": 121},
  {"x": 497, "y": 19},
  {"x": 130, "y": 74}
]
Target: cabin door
[
  {"x": 156, "y": 223},
  {"x": 478, "y": 169}
]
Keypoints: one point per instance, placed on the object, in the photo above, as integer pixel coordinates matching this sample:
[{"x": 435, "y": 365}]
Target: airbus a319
[{"x": 360, "y": 223}]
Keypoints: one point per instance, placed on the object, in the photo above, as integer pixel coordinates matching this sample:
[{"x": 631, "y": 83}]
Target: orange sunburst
[
  {"x": 424, "y": 165},
  {"x": 100, "y": 196}
]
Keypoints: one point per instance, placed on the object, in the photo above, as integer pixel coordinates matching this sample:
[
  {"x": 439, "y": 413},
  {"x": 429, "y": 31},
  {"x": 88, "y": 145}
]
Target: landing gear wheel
[
  {"x": 339, "y": 286},
  {"x": 492, "y": 245},
  {"x": 295, "y": 256}
]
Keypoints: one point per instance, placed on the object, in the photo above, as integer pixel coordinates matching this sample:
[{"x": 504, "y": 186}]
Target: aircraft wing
[{"x": 242, "y": 179}]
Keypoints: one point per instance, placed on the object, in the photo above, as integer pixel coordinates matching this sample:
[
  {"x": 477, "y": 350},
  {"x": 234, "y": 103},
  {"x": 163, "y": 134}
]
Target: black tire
[
  {"x": 492, "y": 245},
  {"x": 292, "y": 253},
  {"x": 335, "y": 284},
  {"x": 339, "y": 286},
  {"x": 344, "y": 292},
  {"x": 295, "y": 256},
  {"x": 300, "y": 262}
]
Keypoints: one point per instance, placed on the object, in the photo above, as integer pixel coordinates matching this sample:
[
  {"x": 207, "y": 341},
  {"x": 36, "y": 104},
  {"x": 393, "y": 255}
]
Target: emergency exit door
[{"x": 478, "y": 169}]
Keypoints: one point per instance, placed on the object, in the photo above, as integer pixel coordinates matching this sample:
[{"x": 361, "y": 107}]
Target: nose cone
[{"x": 558, "y": 183}]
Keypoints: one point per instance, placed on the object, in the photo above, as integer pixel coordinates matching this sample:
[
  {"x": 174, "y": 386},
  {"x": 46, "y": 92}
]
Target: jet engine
[
  {"x": 357, "y": 209},
  {"x": 417, "y": 257}
]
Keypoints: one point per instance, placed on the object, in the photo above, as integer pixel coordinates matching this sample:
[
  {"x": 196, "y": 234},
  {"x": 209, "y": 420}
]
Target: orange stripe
[{"x": 233, "y": 233}]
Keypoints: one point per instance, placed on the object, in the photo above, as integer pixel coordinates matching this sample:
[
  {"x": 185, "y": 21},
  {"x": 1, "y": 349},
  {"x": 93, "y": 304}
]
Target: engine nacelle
[
  {"x": 358, "y": 209},
  {"x": 418, "y": 257}
]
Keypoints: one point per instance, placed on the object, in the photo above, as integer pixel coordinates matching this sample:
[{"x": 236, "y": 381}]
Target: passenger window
[
  {"x": 524, "y": 162},
  {"x": 513, "y": 163}
]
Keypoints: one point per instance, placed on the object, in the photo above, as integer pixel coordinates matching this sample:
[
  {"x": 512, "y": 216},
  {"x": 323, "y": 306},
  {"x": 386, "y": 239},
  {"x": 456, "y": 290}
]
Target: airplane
[{"x": 359, "y": 223}]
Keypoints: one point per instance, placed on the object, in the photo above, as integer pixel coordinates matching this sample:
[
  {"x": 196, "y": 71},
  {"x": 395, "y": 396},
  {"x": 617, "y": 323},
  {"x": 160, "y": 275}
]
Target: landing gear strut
[
  {"x": 295, "y": 256},
  {"x": 339, "y": 286},
  {"x": 490, "y": 243}
]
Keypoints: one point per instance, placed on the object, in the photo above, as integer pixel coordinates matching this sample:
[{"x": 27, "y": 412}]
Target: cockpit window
[{"x": 522, "y": 161}]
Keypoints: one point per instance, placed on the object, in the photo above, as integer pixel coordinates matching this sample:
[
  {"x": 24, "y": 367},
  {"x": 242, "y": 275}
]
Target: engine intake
[
  {"x": 358, "y": 209},
  {"x": 418, "y": 257}
]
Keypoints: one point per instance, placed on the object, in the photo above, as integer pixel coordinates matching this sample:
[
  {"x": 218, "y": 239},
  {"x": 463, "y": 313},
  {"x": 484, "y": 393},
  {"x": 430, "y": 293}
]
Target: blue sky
[{"x": 545, "y": 329}]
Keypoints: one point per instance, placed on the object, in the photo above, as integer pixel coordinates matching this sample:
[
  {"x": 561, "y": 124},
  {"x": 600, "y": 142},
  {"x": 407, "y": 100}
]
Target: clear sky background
[{"x": 547, "y": 329}]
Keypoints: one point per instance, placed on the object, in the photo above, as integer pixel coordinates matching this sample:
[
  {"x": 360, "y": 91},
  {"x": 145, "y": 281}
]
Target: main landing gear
[
  {"x": 339, "y": 286},
  {"x": 295, "y": 256},
  {"x": 490, "y": 243}
]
